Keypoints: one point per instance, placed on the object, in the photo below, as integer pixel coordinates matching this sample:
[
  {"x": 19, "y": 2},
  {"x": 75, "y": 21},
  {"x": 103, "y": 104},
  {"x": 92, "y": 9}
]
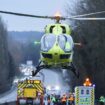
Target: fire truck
[{"x": 30, "y": 92}]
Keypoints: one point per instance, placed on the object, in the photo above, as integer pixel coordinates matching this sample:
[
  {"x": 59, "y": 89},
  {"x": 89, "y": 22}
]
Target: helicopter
[{"x": 57, "y": 43}]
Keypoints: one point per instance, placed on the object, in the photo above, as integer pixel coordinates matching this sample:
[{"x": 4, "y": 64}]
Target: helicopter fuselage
[{"x": 57, "y": 45}]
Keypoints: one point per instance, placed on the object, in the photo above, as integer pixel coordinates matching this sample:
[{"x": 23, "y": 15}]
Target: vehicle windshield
[
  {"x": 47, "y": 42},
  {"x": 65, "y": 42}
]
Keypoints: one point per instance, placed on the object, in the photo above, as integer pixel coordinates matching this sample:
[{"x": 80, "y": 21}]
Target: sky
[{"x": 36, "y": 7}]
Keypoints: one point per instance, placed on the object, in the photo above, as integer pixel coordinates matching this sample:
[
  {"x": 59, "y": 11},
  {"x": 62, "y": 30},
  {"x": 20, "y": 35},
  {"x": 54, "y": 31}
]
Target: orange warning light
[
  {"x": 87, "y": 82},
  {"x": 57, "y": 14}
]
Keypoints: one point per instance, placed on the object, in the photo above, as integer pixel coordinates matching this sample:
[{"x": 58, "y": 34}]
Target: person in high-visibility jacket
[
  {"x": 64, "y": 99},
  {"x": 102, "y": 100},
  {"x": 53, "y": 99},
  {"x": 71, "y": 100}
]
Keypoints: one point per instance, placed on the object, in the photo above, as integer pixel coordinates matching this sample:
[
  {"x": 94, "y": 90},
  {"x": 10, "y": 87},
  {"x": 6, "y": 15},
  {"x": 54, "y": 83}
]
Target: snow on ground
[{"x": 9, "y": 96}]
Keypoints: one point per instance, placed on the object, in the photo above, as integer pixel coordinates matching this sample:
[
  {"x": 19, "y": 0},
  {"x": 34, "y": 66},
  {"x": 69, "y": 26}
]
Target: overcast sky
[{"x": 36, "y": 7}]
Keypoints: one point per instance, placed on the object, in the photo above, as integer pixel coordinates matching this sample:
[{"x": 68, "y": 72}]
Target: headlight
[
  {"x": 57, "y": 88},
  {"x": 48, "y": 87}
]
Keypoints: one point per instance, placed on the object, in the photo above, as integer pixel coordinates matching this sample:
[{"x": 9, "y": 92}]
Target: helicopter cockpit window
[
  {"x": 51, "y": 29},
  {"x": 63, "y": 29},
  {"x": 47, "y": 42},
  {"x": 66, "y": 42}
]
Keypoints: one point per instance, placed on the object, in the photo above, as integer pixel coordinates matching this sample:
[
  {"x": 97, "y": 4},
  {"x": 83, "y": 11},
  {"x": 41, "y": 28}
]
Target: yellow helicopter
[{"x": 57, "y": 44}]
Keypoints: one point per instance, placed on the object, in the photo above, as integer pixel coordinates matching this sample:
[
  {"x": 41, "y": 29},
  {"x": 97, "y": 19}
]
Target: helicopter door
[
  {"x": 47, "y": 42},
  {"x": 66, "y": 42}
]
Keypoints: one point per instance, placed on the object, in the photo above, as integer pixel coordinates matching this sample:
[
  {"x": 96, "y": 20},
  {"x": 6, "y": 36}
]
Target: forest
[
  {"x": 89, "y": 58},
  {"x": 7, "y": 65}
]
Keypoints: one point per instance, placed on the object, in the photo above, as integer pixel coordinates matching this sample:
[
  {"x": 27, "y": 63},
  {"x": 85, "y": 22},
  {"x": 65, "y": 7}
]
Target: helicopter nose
[
  {"x": 56, "y": 54},
  {"x": 56, "y": 51}
]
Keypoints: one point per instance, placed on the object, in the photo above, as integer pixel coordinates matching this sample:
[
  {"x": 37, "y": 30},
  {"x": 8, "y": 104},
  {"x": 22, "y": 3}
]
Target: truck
[
  {"x": 84, "y": 95},
  {"x": 30, "y": 92}
]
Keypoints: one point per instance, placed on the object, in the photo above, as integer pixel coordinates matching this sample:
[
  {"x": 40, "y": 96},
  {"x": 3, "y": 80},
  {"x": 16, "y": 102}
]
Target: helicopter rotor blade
[
  {"x": 88, "y": 14},
  {"x": 92, "y": 19},
  {"x": 27, "y": 15},
  {"x": 77, "y": 17},
  {"x": 83, "y": 16}
]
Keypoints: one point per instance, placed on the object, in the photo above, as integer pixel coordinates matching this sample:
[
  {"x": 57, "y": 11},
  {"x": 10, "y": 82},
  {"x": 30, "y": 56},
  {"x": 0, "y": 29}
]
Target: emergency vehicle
[
  {"x": 84, "y": 95},
  {"x": 30, "y": 92}
]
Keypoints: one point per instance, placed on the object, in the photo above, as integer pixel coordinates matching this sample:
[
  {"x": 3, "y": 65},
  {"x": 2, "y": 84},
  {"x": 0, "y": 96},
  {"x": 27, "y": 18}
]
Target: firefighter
[
  {"x": 71, "y": 99},
  {"x": 64, "y": 99}
]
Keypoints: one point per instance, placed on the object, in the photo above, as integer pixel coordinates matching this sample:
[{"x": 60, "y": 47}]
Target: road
[{"x": 9, "y": 96}]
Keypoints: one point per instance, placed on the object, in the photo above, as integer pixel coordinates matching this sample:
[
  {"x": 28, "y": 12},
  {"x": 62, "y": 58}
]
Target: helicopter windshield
[
  {"x": 47, "y": 42},
  {"x": 66, "y": 42}
]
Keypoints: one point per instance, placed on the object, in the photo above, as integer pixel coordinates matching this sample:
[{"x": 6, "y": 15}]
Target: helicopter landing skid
[
  {"x": 38, "y": 68},
  {"x": 73, "y": 69},
  {"x": 70, "y": 67}
]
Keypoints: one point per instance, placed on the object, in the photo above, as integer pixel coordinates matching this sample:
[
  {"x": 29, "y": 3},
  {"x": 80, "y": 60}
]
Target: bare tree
[
  {"x": 6, "y": 65},
  {"x": 90, "y": 58}
]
